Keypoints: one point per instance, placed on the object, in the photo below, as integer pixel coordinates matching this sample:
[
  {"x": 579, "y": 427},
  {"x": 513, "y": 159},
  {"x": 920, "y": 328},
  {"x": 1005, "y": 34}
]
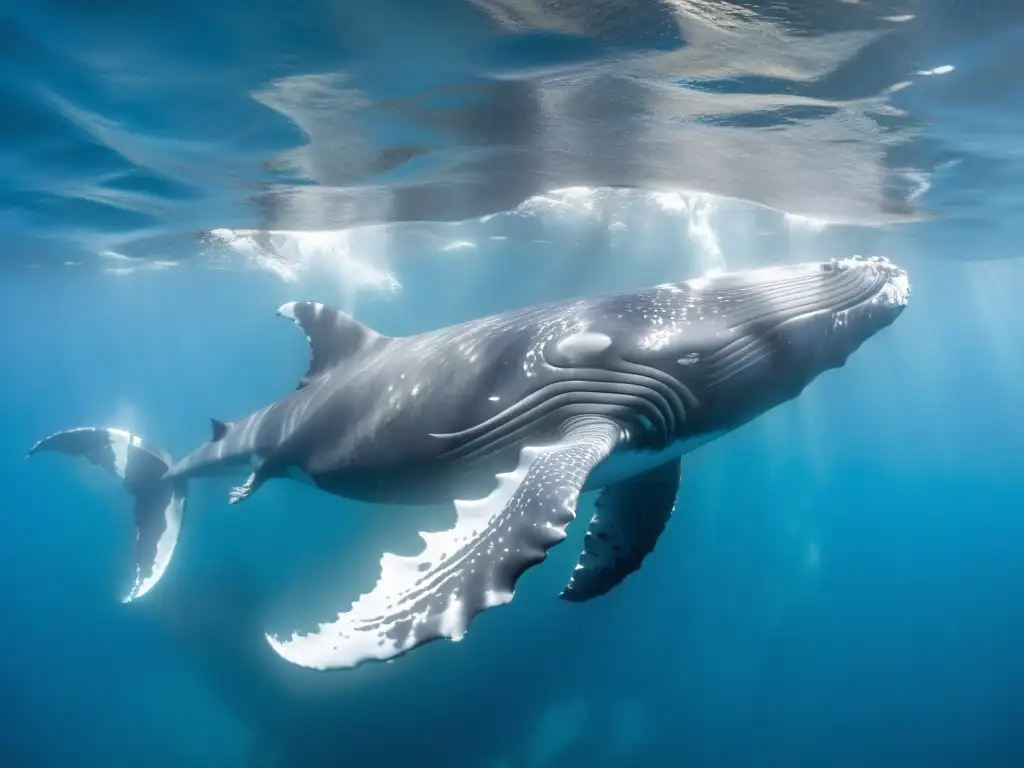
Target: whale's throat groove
[{"x": 651, "y": 403}]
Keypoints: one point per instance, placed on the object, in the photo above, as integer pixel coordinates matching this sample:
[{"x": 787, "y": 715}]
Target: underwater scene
[{"x": 512, "y": 383}]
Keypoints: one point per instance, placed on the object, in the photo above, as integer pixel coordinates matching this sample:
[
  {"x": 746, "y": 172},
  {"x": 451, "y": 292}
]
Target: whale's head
[{"x": 733, "y": 346}]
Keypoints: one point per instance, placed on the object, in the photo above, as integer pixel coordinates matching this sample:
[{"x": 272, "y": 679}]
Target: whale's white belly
[{"x": 625, "y": 463}]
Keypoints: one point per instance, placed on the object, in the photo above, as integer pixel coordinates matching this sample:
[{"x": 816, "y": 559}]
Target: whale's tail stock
[{"x": 159, "y": 502}]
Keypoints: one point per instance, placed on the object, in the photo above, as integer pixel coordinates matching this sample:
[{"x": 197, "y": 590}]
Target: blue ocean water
[{"x": 840, "y": 583}]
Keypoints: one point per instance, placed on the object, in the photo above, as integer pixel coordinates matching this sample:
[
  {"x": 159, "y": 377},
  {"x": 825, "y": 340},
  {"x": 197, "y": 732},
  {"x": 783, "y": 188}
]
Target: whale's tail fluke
[{"x": 159, "y": 503}]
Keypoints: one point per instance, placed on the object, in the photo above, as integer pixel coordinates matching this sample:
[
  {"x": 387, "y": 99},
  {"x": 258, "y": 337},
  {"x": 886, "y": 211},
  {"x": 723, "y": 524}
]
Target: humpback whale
[{"x": 511, "y": 417}]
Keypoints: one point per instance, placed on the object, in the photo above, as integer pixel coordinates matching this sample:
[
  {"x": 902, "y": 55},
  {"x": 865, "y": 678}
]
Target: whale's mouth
[{"x": 801, "y": 320}]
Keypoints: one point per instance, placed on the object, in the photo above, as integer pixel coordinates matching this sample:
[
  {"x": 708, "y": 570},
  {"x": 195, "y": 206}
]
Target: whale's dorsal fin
[
  {"x": 218, "y": 429},
  {"x": 333, "y": 335}
]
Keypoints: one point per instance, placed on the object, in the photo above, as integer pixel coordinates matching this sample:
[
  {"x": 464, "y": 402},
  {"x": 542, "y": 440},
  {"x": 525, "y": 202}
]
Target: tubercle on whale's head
[
  {"x": 755, "y": 339},
  {"x": 816, "y": 324}
]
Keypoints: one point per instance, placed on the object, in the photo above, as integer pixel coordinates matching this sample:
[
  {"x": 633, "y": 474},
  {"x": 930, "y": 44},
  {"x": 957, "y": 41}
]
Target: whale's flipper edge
[
  {"x": 263, "y": 472},
  {"x": 159, "y": 510},
  {"x": 628, "y": 519},
  {"x": 333, "y": 335},
  {"x": 468, "y": 568}
]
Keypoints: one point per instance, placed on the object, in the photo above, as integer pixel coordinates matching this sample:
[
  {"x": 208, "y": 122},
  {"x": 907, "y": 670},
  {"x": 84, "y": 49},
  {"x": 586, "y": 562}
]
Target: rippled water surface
[{"x": 132, "y": 129}]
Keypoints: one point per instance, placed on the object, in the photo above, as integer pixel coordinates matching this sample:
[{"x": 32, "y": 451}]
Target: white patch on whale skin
[
  {"x": 120, "y": 441},
  {"x": 584, "y": 346},
  {"x": 896, "y": 292},
  {"x": 625, "y": 463},
  {"x": 656, "y": 339},
  {"x": 173, "y": 514},
  {"x": 288, "y": 310}
]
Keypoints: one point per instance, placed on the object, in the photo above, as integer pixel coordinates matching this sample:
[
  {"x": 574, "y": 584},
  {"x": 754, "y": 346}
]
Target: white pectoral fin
[{"x": 468, "y": 568}]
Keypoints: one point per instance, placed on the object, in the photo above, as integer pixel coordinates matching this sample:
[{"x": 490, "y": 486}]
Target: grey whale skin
[{"x": 511, "y": 417}]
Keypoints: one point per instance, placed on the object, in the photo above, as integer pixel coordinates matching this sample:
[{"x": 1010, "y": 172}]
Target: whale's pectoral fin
[
  {"x": 246, "y": 489},
  {"x": 264, "y": 470},
  {"x": 333, "y": 335},
  {"x": 628, "y": 520},
  {"x": 159, "y": 509},
  {"x": 469, "y": 568}
]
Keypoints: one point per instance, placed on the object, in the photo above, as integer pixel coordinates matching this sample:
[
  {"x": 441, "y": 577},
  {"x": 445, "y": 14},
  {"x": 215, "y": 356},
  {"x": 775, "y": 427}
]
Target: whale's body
[{"x": 520, "y": 413}]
